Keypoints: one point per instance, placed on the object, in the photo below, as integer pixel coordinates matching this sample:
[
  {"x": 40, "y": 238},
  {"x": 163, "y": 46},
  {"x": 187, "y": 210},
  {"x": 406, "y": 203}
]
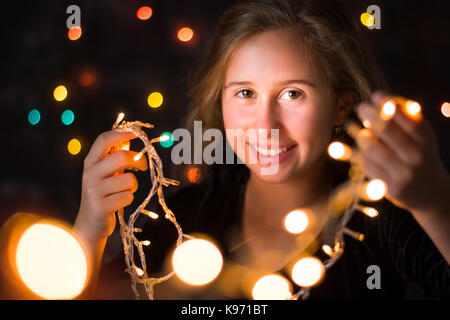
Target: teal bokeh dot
[
  {"x": 167, "y": 143},
  {"x": 67, "y": 117},
  {"x": 34, "y": 117}
]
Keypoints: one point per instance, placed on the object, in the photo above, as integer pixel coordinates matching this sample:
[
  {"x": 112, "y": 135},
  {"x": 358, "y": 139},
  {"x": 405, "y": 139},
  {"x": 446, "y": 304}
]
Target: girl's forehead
[{"x": 273, "y": 55}]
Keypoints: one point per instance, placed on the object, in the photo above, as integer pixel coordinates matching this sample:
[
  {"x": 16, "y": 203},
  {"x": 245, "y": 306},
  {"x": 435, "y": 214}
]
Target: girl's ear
[{"x": 344, "y": 108}]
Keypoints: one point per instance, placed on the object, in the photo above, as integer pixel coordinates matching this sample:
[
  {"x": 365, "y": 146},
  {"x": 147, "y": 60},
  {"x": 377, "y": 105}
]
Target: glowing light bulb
[
  {"x": 445, "y": 109},
  {"x": 339, "y": 151},
  {"x": 34, "y": 116},
  {"x": 371, "y": 212},
  {"x": 155, "y": 99},
  {"x": 139, "y": 271},
  {"x": 296, "y": 221},
  {"x": 74, "y": 33},
  {"x": 307, "y": 271},
  {"x": 375, "y": 189},
  {"x": 388, "y": 110},
  {"x": 51, "y": 262},
  {"x": 194, "y": 175},
  {"x": 86, "y": 79},
  {"x": 413, "y": 109},
  {"x": 272, "y": 287},
  {"x": 60, "y": 93},
  {"x": 144, "y": 13},
  {"x": 185, "y": 34},
  {"x": 327, "y": 249},
  {"x": 367, "y": 19},
  {"x": 140, "y": 154},
  {"x": 145, "y": 243},
  {"x": 197, "y": 262},
  {"x": 74, "y": 146}
]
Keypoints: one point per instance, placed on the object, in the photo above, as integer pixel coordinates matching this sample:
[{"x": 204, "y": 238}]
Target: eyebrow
[{"x": 286, "y": 82}]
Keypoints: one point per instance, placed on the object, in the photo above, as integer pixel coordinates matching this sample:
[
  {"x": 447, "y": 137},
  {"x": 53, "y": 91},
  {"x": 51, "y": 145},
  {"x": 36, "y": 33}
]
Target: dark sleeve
[{"x": 400, "y": 239}]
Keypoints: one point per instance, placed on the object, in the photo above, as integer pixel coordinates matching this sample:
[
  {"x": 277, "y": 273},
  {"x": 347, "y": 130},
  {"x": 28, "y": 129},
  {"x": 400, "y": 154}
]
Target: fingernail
[{"x": 367, "y": 112}]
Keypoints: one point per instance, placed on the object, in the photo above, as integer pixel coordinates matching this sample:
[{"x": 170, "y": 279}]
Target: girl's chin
[{"x": 272, "y": 174}]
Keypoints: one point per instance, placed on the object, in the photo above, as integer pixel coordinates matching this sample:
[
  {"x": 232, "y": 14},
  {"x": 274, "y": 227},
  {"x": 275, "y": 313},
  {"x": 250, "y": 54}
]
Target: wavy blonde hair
[{"x": 324, "y": 28}]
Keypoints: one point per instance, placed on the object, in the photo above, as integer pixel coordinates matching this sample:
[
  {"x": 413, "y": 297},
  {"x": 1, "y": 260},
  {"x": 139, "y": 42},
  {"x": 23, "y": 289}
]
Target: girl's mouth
[{"x": 268, "y": 155}]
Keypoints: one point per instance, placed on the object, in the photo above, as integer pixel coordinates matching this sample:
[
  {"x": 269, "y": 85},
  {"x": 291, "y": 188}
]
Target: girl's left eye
[{"x": 291, "y": 95}]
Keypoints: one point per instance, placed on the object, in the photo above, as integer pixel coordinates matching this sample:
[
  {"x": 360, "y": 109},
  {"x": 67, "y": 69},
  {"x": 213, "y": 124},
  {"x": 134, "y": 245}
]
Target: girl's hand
[
  {"x": 105, "y": 188},
  {"x": 402, "y": 151}
]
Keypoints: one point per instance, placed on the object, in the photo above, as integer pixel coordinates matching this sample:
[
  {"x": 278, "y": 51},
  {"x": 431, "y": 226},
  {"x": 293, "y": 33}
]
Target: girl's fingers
[
  {"x": 117, "y": 201},
  {"x": 372, "y": 170},
  {"x": 104, "y": 143},
  {"x": 118, "y": 161},
  {"x": 389, "y": 133},
  {"x": 116, "y": 184}
]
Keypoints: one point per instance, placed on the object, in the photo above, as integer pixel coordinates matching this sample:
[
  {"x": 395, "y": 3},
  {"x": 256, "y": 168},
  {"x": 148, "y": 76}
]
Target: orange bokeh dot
[
  {"x": 74, "y": 33},
  {"x": 144, "y": 13},
  {"x": 194, "y": 175},
  {"x": 185, "y": 34},
  {"x": 86, "y": 79},
  {"x": 445, "y": 109}
]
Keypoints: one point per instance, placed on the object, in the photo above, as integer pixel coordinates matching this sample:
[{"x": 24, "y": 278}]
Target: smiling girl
[{"x": 298, "y": 67}]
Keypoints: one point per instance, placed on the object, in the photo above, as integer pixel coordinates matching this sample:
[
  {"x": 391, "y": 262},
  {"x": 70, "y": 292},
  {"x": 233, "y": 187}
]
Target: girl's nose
[{"x": 266, "y": 116}]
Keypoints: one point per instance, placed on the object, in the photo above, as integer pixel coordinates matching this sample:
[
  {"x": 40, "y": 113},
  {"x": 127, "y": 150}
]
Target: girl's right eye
[{"x": 245, "y": 94}]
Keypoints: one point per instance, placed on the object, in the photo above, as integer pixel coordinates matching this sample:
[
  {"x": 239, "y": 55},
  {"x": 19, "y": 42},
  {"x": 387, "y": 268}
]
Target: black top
[{"x": 393, "y": 241}]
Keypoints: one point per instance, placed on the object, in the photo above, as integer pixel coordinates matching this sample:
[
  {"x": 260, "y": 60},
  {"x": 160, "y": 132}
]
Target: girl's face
[{"x": 269, "y": 84}]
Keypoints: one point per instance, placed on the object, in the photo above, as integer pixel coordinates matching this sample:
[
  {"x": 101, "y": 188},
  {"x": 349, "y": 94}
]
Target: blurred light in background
[
  {"x": 60, "y": 93},
  {"x": 34, "y": 117},
  {"x": 86, "y": 79},
  {"x": 169, "y": 142},
  {"x": 307, "y": 271},
  {"x": 51, "y": 262},
  {"x": 445, "y": 109},
  {"x": 155, "y": 99},
  {"x": 388, "y": 110},
  {"x": 296, "y": 221},
  {"x": 367, "y": 19},
  {"x": 74, "y": 146},
  {"x": 197, "y": 262},
  {"x": 74, "y": 33},
  {"x": 339, "y": 151},
  {"x": 194, "y": 175},
  {"x": 185, "y": 34},
  {"x": 272, "y": 287},
  {"x": 413, "y": 109},
  {"x": 67, "y": 117},
  {"x": 144, "y": 13}
]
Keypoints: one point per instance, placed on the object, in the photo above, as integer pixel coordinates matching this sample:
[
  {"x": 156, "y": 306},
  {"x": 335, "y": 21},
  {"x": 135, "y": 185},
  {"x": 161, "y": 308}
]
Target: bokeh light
[
  {"x": 144, "y": 13},
  {"x": 60, "y": 93},
  {"x": 367, "y": 19},
  {"x": 307, "y": 271},
  {"x": 197, "y": 262},
  {"x": 67, "y": 117},
  {"x": 194, "y": 175},
  {"x": 339, "y": 151},
  {"x": 445, "y": 109},
  {"x": 185, "y": 34},
  {"x": 272, "y": 287},
  {"x": 371, "y": 212},
  {"x": 388, "y": 110},
  {"x": 296, "y": 221},
  {"x": 74, "y": 146},
  {"x": 74, "y": 33},
  {"x": 51, "y": 262},
  {"x": 374, "y": 190},
  {"x": 155, "y": 99},
  {"x": 168, "y": 139},
  {"x": 86, "y": 79},
  {"x": 34, "y": 116},
  {"x": 413, "y": 109}
]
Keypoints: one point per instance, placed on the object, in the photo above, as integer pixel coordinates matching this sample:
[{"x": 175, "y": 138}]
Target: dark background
[{"x": 132, "y": 58}]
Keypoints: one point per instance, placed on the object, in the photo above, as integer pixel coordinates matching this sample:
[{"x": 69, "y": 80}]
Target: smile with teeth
[{"x": 272, "y": 152}]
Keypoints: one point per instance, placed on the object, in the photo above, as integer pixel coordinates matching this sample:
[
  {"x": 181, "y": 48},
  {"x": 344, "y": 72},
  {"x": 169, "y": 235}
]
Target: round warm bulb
[
  {"x": 375, "y": 189},
  {"x": 185, "y": 34},
  {"x": 388, "y": 110},
  {"x": 51, "y": 262},
  {"x": 371, "y": 212},
  {"x": 367, "y": 19},
  {"x": 197, "y": 262},
  {"x": 296, "y": 221},
  {"x": 272, "y": 287},
  {"x": 74, "y": 146},
  {"x": 60, "y": 93},
  {"x": 339, "y": 151},
  {"x": 155, "y": 99},
  {"x": 413, "y": 108},
  {"x": 307, "y": 271},
  {"x": 445, "y": 109}
]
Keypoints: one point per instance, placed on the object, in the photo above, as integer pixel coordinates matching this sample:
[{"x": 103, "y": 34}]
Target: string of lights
[{"x": 308, "y": 270}]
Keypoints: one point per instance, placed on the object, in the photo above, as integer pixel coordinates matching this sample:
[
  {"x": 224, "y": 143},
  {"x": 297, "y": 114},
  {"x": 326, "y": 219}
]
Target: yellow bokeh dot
[
  {"x": 367, "y": 19},
  {"x": 60, "y": 93},
  {"x": 74, "y": 146},
  {"x": 155, "y": 99}
]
